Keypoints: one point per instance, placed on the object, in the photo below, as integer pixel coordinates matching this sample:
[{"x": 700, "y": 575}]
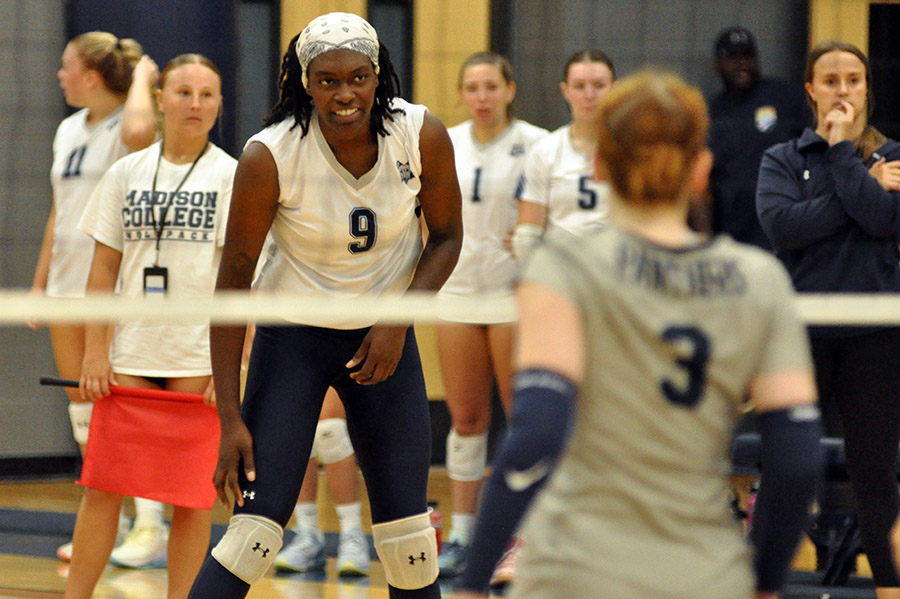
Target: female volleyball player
[
  {"x": 836, "y": 228},
  {"x": 111, "y": 82},
  {"x": 637, "y": 347},
  {"x": 490, "y": 151},
  {"x": 158, "y": 220},
  {"x": 559, "y": 190},
  {"x": 342, "y": 175}
]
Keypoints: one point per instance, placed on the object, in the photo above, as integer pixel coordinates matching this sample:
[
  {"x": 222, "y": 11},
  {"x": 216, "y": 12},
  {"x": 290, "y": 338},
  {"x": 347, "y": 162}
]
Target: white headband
[{"x": 336, "y": 31}]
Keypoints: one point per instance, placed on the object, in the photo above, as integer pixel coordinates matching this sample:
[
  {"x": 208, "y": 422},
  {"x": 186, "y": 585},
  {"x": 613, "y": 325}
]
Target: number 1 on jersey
[{"x": 73, "y": 163}]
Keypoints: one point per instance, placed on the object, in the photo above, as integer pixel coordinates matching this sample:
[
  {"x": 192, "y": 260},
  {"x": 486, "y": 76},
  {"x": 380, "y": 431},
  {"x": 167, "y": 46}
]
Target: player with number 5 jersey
[{"x": 559, "y": 190}]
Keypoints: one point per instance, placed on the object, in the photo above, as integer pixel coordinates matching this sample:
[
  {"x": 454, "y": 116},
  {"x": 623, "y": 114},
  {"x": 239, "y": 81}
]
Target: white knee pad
[
  {"x": 249, "y": 546},
  {"x": 332, "y": 441},
  {"x": 407, "y": 549},
  {"x": 80, "y": 415},
  {"x": 466, "y": 456}
]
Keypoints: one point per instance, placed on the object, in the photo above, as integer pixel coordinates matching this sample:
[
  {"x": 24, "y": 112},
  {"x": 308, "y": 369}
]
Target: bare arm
[
  {"x": 96, "y": 373},
  {"x": 551, "y": 335},
  {"x": 254, "y": 201},
  {"x": 139, "y": 113}
]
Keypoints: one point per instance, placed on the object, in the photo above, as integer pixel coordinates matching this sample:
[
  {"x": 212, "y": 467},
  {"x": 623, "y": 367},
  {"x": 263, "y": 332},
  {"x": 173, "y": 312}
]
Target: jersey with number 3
[
  {"x": 559, "y": 177},
  {"x": 339, "y": 235},
  {"x": 489, "y": 178},
  {"x": 82, "y": 153},
  {"x": 673, "y": 339}
]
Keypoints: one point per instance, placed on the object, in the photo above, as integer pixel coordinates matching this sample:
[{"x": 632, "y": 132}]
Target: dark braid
[{"x": 293, "y": 101}]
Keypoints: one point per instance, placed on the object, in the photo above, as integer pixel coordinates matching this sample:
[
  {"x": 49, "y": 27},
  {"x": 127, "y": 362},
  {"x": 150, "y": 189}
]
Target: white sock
[
  {"x": 148, "y": 512},
  {"x": 307, "y": 515},
  {"x": 349, "y": 515},
  {"x": 462, "y": 525}
]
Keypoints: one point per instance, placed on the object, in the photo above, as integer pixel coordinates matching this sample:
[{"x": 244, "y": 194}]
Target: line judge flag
[{"x": 155, "y": 444}]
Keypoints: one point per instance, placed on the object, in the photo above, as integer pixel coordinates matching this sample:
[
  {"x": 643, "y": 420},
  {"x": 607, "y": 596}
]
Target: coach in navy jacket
[{"x": 830, "y": 203}]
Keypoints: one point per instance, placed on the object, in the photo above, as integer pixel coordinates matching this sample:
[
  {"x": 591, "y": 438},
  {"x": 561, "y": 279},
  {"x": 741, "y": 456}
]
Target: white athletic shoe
[
  {"x": 144, "y": 547},
  {"x": 305, "y": 552},
  {"x": 353, "y": 554},
  {"x": 453, "y": 556},
  {"x": 505, "y": 572},
  {"x": 64, "y": 551}
]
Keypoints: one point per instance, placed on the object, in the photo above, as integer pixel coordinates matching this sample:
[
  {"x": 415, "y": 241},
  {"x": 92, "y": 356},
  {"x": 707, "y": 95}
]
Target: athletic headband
[{"x": 336, "y": 31}]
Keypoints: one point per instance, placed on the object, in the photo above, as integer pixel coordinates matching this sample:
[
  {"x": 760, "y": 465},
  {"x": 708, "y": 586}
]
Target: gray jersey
[{"x": 638, "y": 506}]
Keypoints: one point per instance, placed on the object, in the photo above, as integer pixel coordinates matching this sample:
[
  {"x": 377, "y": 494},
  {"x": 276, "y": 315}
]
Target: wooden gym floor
[{"x": 36, "y": 517}]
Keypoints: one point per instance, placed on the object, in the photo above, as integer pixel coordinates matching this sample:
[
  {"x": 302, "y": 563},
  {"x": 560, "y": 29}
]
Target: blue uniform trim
[
  {"x": 539, "y": 426},
  {"x": 792, "y": 462}
]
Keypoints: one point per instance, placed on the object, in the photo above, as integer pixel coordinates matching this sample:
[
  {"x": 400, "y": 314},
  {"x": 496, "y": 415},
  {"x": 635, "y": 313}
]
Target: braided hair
[{"x": 293, "y": 101}]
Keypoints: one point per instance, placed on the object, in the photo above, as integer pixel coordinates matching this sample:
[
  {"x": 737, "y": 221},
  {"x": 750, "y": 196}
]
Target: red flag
[{"x": 152, "y": 443}]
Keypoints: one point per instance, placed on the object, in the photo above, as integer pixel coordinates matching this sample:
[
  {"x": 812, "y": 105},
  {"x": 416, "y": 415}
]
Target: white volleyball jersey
[
  {"x": 561, "y": 178},
  {"x": 338, "y": 235},
  {"x": 489, "y": 178},
  {"x": 125, "y": 215},
  {"x": 81, "y": 154}
]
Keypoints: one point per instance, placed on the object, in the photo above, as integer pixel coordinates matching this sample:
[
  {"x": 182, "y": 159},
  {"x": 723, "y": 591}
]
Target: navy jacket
[{"x": 831, "y": 223}]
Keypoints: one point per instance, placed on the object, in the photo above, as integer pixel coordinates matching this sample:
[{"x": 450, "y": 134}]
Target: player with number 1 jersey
[{"x": 490, "y": 181}]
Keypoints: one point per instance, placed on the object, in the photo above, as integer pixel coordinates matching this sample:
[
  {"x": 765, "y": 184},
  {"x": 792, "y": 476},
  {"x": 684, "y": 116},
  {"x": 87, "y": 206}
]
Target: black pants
[
  {"x": 861, "y": 374},
  {"x": 291, "y": 367},
  {"x": 389, "y": 424}
]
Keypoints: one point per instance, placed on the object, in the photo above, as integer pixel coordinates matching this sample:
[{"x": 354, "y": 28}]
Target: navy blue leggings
[
  {"x": 291, "y": 367},
  {"x": 862, "y": 375}
]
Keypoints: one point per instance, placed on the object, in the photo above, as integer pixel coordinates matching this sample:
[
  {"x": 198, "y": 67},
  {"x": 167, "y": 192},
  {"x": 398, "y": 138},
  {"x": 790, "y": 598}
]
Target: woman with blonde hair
[
  {"x": 110, "y": 81},
  {"x": 157, "y": 218},
  {"x": 637, "y": 347}
]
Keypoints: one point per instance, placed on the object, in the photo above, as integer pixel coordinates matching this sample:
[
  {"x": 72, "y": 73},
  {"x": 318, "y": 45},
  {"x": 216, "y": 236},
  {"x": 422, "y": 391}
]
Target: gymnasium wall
[{"x": 536, "y": 34}]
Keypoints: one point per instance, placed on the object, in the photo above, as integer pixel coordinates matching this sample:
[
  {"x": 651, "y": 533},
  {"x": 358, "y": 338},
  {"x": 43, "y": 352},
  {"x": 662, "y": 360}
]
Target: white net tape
[{"x": 17, "y": 307}]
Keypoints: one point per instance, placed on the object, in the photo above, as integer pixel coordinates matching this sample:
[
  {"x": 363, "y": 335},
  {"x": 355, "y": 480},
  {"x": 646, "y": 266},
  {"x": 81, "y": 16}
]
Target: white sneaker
[
  {"x": 64, "y": 551},
  {"x": 144, "y": 547},
  {"x": 305, "y": 552},
  {"x": 353, "y": 557}
]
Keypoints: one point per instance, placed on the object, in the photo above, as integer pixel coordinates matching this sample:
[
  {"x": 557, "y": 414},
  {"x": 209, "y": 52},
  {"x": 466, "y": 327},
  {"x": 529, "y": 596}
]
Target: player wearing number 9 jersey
[
  {"x": 637, "y": 347},
  {"x": 341, "y": 176}
]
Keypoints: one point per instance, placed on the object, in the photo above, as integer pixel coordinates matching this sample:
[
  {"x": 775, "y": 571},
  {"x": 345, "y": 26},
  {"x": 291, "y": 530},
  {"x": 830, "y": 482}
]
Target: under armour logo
[
  {"x": 517, "y": 150},
  {"x": 250, "y": 495},
  {"x": 412, "y": 560},
  {"x": 265, "y": 551}
]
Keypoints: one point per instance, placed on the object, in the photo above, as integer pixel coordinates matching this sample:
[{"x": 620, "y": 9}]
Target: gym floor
[{"x": 38, "y": 516}]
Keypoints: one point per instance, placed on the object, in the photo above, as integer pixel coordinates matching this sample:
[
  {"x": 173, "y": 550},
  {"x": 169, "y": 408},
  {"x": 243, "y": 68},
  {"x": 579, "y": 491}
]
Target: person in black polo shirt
[{"x": 749, "y": 115}]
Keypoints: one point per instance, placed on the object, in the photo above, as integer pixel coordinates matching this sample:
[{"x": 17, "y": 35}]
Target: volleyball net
[{"x": 19, "y": 307}]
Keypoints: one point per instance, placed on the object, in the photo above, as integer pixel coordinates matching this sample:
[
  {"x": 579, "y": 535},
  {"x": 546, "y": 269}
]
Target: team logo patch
[
  {"x": 765, "y": 118},
  {"x": 517, "y": 150},
  {"x": 406, "y": 173},
  {"x": 251, "y": 495}
]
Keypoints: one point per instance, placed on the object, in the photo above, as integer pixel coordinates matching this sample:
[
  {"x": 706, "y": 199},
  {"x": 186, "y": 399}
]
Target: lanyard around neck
[{"x": 164, "y": 209}]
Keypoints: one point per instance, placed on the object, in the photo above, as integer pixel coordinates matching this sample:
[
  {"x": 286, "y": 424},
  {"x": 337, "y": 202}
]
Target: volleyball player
[
  {"x": 637, "y": 347},
  {"x": 490, "y": 150},
  {"x": 342, "y": 175},
  {"x": 111, "y": 83},
  {"x": 559, "y": 190}
]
